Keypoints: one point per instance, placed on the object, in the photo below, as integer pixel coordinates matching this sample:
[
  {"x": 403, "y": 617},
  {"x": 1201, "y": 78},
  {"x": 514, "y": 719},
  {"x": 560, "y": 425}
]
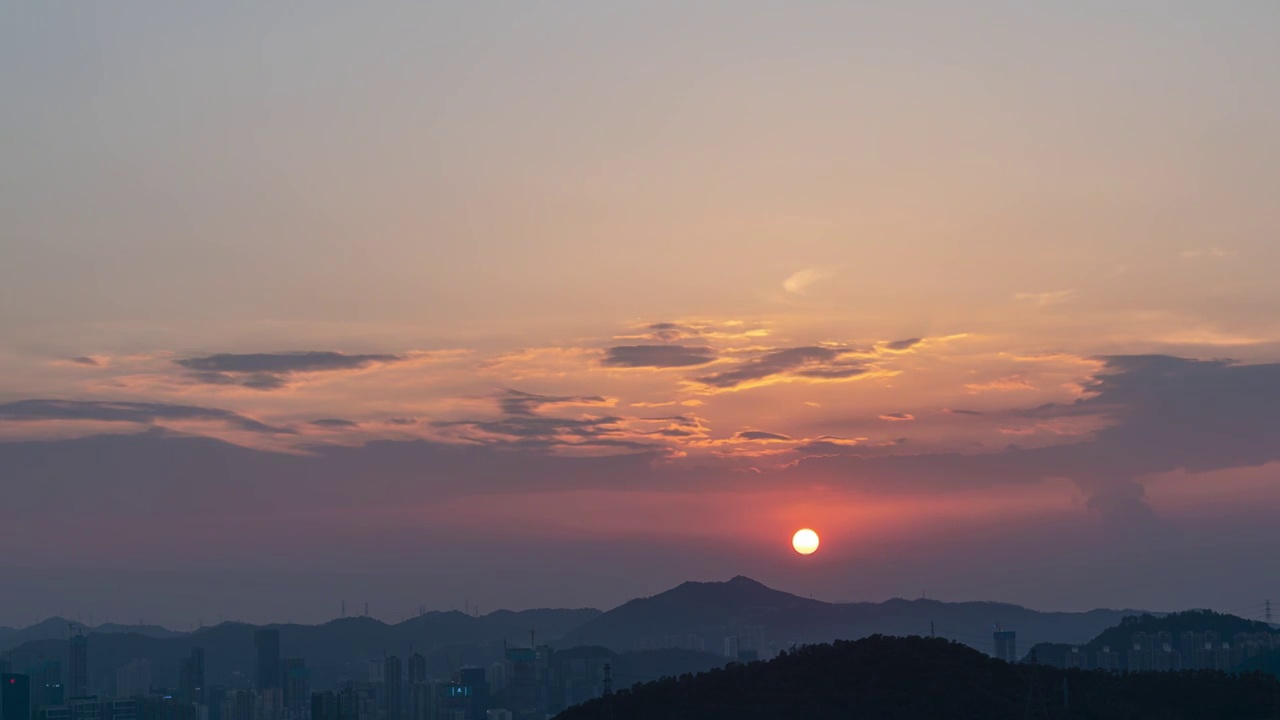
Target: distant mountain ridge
[
  {"x": 707, "y": 611},
  {"x": 58, "y": 628},
  {"x": 714, "y": 610},
  {"x": 332, "y": 649}
]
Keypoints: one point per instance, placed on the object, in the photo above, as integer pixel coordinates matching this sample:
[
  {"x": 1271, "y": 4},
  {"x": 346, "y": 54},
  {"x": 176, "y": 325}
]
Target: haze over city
[{"x": 563, "y": 304}]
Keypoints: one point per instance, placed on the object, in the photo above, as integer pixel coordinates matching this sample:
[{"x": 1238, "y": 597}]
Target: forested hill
[
  {"x": 908, "y": 678},
  {"x": 1121, "y": 635}
]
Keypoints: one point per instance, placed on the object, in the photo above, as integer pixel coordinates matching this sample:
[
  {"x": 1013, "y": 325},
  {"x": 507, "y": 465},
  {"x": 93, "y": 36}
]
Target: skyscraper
[
  {"x": 78, "y": 681},
  {"x": 392, "y": 676},
  {"x": 198, "y": 694},
  {"x": 15, "y": 697},
  {"x": 267, "y": 643},
  {"x": 1006, "y": 645},
  {"x": 419, "y": 690},
  {"x": 417, "y": 668},
  {"x": 297, "y": 687},
  {"x": 134, "y": 679}
]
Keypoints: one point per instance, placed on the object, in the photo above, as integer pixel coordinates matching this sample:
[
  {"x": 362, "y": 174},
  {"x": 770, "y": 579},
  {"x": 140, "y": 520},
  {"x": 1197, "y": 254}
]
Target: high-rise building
[
  {"x": 267, "y": 643},
  {"x": 78, "y": 681},
  {"x": 134, "y": 679},
  {"x": 731, "y": 647},
  {"x": 186, "y": 680},
  {"x": 15, "y": 697},
  {"x": 198, "y": 692},
  {"x": 46, "y": 684},
  {"x": 324, "y": 706},
  {"x": 1006, "y": 645},
  {"x": 243, "y": 707},
  {"x": 419, "y": 701},
  {"x": 419, "y": 691},
  {"x": 297, "y": 687},
  {"x": 392, "y": 676},
  {"x": 417, "y": 668}
]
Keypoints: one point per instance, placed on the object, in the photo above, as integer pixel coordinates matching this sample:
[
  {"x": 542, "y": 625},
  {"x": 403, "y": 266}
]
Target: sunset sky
[{"x": 561, "y": 303}]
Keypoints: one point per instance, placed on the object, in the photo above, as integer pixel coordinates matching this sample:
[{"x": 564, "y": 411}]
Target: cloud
[
  {"x": 658, "y": 356},
  {"x": 271, "y": 371},
  {"x": 1011, "y": 383},
  {"x": 897, "y": 417},
  {"x": 801, "y": 280},
  {"x": 402, "y": 421},
  {"x": 515, "y": 402},
  {"x": 762, "y": 436},
  {"x": 902, "y": 345},
  {"x": 814, "y": 363},
  {"x": 668, "y": 332},
  {"x": 335, "y": 423},
  {"x": 522, "y": 425},
  {"x": 1212, "y": 252},
  {"x": 1044, "y": 299},
  {"x": 956, "y": 411},
  {"x": 86, "y": 360},
  {"x": 129, "y": 412},
  {"x": 1159, "y": 413}
]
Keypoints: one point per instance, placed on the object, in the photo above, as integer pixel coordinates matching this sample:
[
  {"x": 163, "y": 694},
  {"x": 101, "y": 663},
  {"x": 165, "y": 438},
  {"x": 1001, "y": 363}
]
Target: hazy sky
[{"x": 558, "y": 303}]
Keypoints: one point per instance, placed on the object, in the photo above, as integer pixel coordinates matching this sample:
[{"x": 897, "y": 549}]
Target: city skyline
[{"x": 563, "y": 305}]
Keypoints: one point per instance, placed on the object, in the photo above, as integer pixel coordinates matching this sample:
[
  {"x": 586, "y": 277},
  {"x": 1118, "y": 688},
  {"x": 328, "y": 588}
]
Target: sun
[{"x": 805, "y": 541}]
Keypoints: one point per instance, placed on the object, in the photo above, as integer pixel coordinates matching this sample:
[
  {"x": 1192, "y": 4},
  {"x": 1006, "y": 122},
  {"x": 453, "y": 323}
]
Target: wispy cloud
[
  {"x": 897, "y": 417},
  {"x": 812, "y": 363},
  {"x": 800, "y": 281},
  {"x": 1044, "y": 299},
  {"x": 1212, "y": 252},
  {"x": 1010, "y": 383}
]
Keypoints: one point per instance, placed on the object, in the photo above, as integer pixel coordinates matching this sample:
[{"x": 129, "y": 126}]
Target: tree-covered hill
[{"x": 908, "y": 678}]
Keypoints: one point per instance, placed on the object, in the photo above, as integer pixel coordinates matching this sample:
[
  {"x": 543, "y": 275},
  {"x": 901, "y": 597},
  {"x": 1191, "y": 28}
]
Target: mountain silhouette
[
  {"x": 695, "y": 616},
  {"x": 915, "y": 677},
  {"x": 715, "y": 610},
  {"x": 333, "y": 650}
]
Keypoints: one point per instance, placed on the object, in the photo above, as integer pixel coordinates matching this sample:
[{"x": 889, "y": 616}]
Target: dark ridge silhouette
[
  {"x": 713, "y": 610},
  {"x": 332, "y": 650},
  {"x": 1121, "y": 635},
  {"x": 915, "y": 677}
]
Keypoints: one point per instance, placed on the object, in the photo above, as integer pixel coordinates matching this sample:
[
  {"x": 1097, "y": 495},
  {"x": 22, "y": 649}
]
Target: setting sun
[{"x": 805, "y": 541}]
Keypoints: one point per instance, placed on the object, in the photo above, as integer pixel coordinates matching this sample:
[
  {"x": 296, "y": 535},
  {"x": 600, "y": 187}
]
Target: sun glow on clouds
[{"x": 616, "y": 400}]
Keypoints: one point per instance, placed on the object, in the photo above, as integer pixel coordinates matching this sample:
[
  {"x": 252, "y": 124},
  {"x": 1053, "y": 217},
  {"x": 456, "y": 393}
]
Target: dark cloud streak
[
  {"x": 817, "y": 363},
  {"x": 131, "y": 412},
  {"x": 271, "y": 371},
  {"x": 658, "y": 356}
]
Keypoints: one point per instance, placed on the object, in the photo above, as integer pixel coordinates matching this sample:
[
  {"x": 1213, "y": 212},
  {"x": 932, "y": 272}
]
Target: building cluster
[
  {"x": 527, "y": 684},
  {"x": 742, "y": 643},
  {"x": 1162, "y": 652}
]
